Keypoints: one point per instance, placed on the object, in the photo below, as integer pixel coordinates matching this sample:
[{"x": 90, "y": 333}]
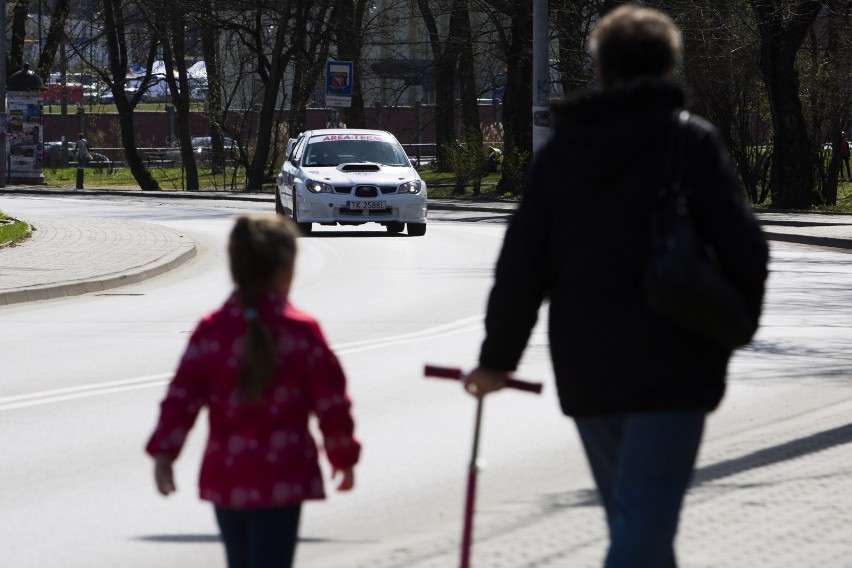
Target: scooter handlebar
[{"x": 458, "y": 375}]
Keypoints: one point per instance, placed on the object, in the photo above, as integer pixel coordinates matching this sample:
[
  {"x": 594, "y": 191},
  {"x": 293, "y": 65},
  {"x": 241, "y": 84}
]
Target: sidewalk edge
[{"x": 171, "y": 261}]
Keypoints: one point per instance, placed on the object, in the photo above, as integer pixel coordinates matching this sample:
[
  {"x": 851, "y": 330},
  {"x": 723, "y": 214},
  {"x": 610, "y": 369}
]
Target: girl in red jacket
[{"x": 261, "y": 368}]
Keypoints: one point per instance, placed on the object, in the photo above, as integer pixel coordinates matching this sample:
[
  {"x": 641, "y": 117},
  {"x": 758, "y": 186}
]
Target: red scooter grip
[{"x": 458, "y": 374}]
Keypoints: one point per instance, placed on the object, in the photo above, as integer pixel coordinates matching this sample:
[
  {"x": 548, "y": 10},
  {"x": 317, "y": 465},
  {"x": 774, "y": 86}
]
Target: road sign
[{"x": 338, "y": 83}]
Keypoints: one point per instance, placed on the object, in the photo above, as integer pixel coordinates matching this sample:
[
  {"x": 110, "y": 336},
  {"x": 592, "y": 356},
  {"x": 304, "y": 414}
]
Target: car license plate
[{"x": 366, "y": 205}]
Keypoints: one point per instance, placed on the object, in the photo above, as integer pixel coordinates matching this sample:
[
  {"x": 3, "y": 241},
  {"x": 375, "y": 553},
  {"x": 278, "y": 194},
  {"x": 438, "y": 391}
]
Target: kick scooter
[{"x": 473, "y": 467}]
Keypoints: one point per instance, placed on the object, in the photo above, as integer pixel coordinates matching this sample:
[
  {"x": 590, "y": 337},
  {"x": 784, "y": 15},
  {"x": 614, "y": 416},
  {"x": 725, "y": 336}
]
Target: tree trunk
[
  {"x": 460, "y": 33},
  {"x": 131, "y": 155},
  {"x": 209, "y": 35},
  {"x": 791, "y": 179},
  {"x": 350, "y": 45},
  {"x": 173, "y": 45},
  {"x": 444, "y": 65},
  {"x": 298, "y": 117},
  {"x": 517, "y": 103},
  {"x": 114, "y": 33},
  {"x": 19, "y": 35},
  {"x": 55, "y": 33}
]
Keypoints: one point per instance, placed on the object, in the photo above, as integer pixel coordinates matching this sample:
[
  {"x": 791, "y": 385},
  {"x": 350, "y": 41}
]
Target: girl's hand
[
  {"x": 163, "y": 474},
  {"x": 347, "y": 480}
]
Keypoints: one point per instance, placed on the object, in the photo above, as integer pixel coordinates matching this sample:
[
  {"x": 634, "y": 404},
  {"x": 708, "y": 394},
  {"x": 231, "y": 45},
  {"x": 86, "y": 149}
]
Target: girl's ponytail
[{"x": 259, "y": 250}]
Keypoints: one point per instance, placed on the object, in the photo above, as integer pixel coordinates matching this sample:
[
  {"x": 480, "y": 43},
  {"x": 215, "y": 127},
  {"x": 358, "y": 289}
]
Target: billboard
[{"x": 338, "y": 83}]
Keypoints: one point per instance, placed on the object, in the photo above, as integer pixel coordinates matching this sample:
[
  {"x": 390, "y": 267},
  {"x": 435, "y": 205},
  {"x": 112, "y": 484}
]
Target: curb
[{"x": 170, "y": 261}]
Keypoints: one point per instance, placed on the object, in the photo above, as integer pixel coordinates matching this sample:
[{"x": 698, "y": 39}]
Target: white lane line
[
  {"x": 82, "y": 391},
  {"x": 458, "y": 326},
  {"x": 161, "y": 379}
]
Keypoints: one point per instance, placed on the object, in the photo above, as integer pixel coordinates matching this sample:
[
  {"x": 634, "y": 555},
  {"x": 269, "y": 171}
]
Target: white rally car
[{"x": 350, "y": 177}]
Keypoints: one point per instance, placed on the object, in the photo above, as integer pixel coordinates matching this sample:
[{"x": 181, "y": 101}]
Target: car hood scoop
[{"x": 360, "y": 168}]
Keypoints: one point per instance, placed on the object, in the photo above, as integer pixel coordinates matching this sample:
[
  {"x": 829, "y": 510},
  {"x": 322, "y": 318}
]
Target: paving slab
[{"x": 70, "y": 256}]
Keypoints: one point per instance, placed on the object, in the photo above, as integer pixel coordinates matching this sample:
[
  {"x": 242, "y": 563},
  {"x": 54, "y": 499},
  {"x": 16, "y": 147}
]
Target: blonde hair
[
  {"x": 259, "y": 249},
  {"x": 632, "y": 42}
]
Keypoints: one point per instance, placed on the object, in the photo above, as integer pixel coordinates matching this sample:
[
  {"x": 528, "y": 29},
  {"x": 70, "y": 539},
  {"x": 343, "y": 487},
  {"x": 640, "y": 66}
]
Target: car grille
[
  {"x": 366, "y": 191},
  {"x": 347, "y": 190}
]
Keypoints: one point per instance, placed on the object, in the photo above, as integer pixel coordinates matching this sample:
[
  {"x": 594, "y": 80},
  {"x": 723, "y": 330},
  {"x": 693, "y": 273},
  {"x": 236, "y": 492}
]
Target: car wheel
[
  {"x": 416, "y": 229},
  {"x": 279, "y": 207},
  {"x": 395, "y": 227},
  {"x": 304, "y": 228}
]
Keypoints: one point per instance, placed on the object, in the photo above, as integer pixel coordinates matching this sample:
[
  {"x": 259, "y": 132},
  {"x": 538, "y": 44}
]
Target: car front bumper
[{"x": 333, "y": 208}]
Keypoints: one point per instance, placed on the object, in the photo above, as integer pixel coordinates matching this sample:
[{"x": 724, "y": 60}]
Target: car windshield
[{"x": 333, "y": 150}]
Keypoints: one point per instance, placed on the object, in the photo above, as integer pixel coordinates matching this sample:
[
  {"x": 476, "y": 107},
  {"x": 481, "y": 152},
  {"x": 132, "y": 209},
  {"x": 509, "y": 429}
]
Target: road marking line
[
  {"x": 69, "y": 393},
  {"x": 161, "y": 379},
  {"x": 466, "y": 324}
]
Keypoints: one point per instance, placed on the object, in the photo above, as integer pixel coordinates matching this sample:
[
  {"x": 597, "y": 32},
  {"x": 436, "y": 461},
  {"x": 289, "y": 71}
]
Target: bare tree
[
  {"x": 209, "y": 31},
  {"x": 118, "y": 16},
  {"x": 517, "y": 103},
  {"x": 270, "y": 34},
  {"x": 825, "y": 66},
  {"x": 55, "y": 36},
  {"x": 444, "y": 58},
  {"x": 350, "y": 35},
  {"x": 573, "y": 20},
  {"x": 172, "y": 36},
  {"x": 310, "y": 51},
  {"x": 20, "y": 13},
  {"x": 783, "y": 26},
  {"x": 461, "y": 36}
]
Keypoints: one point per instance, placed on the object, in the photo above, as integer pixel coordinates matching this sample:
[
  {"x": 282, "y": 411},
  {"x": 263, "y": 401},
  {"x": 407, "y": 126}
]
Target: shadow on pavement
[{"x": 775, "y": 454}]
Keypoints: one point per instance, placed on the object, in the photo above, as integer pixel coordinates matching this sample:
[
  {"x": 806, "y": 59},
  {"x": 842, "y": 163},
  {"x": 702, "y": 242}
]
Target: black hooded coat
[{"x": 581, "y": 239}]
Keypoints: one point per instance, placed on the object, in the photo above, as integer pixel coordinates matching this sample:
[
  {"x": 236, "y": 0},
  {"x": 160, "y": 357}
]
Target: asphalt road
[{"x": 89, "y": 371}]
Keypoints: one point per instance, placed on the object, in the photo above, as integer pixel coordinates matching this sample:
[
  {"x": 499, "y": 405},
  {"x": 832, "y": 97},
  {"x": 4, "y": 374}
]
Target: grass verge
[
  {"x": 168, "y": 178},
  {"x": 11, "y": 233}
]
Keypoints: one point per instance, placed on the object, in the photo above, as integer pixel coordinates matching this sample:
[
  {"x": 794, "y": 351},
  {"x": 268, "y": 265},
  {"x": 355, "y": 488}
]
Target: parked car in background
[
  {"x": 351, "y": 177},
  {"x": 202, "y": 147},
  {"x": 53, "y": 157}
]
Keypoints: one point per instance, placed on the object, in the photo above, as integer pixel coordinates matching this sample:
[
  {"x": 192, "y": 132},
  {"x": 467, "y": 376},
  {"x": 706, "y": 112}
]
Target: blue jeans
[
  {"x": 259, "y": 538},
  {"x": 642, "y": 464}
]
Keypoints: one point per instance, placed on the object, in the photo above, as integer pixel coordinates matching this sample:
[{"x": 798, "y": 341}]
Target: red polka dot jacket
[{"x": 259, "y": 454}]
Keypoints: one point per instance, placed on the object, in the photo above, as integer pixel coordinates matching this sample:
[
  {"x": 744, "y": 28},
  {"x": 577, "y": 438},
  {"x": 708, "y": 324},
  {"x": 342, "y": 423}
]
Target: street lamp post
[{"x": 541, "y": 76}]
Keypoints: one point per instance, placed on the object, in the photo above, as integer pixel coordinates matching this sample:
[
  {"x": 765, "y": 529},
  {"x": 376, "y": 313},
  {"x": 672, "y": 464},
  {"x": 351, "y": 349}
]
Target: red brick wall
[{"x": 152, "y": 128}]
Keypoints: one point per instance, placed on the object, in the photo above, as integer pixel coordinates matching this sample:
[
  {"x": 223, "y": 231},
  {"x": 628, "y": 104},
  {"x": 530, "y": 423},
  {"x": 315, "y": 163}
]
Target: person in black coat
[{"x": 638, "y": 387}]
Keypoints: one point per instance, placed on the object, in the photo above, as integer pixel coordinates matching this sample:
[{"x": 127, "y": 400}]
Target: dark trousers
[
  {"x": 642, "y": 464},
  {"x": 259, "y": 538}
]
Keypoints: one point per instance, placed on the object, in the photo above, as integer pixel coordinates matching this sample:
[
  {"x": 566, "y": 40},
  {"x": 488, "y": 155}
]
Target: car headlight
[
  {"x": 410, "y": 187},
  {"x": 318, "y": 187}
]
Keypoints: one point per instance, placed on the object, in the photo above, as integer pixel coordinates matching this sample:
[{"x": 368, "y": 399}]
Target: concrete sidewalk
[
  {"x": 778, "y": 496},
  {"x": 71, "y": 256}
]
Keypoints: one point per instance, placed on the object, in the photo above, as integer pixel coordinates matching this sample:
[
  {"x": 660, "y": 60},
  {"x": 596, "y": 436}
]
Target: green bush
[
  {"x": 467, "y": 161},
  {"x": 514, "y": 164}
]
